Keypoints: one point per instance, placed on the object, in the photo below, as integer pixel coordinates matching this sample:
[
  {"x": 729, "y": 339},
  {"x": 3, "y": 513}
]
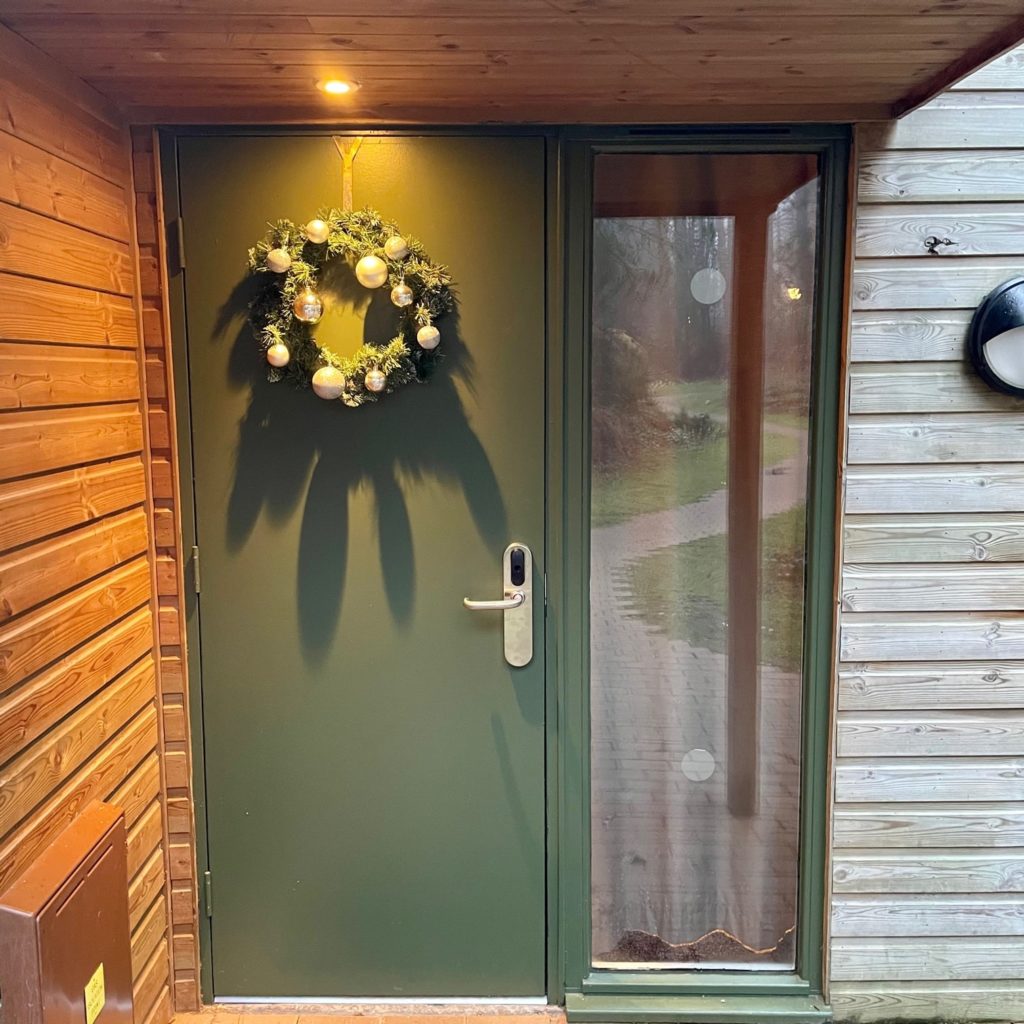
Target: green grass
[
  {"x": 711, "y": 397},
  {"x": 682, "y": 591},
  {"x": 796, "y": 420},
  {"x": 695, "y": 396},
  {"x": 671, "y": 476}
]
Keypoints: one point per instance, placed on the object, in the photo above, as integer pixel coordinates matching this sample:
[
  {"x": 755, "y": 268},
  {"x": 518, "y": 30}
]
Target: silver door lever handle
[
  {"x": 514, "y": 600},
  {"x": 515, "y": 605}
]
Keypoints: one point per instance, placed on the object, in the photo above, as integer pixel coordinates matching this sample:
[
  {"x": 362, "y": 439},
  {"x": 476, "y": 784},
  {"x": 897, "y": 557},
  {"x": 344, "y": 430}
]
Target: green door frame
[
  {"x": 611, "y": 995},
  {"x": 602, "y": 995},
  {"x": 170, "y": 205}
]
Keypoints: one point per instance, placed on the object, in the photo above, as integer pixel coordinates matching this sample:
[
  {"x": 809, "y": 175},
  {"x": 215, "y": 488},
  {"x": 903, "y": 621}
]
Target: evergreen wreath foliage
[{"x": 352, "y": 234}]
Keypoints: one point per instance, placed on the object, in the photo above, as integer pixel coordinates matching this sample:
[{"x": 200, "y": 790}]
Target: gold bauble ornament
[
  {"x": 428, "y": 337},
  {"x": 371, "y": 272},
  {"x": 317, "y": 231},
  {"x": 278, "y": 355},
  {"x": 401, "y": 295},
  {"x": 375, "y": 381},
  {"x": 278, "y": 260},
  {"x": 308, "y": 306},
  {"x": 328, "y": 382},
  {"x": 396, "y": 248}
]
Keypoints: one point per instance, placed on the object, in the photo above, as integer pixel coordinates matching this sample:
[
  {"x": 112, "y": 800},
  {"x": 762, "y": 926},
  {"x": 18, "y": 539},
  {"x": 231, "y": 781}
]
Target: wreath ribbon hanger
[{"x": 348, "y": 147}]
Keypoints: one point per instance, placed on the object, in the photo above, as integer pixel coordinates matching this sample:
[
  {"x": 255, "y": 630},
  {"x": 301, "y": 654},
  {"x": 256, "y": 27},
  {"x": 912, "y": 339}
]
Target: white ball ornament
[
  {"x": 428, "y": 337},
  {"x": 328, "y": 382},
  {"x": 375, "y": 381},
  {"x": 371, "y": 272},
  {"x": 308, "y": 306},
  {"x": 401, "y": 295},
  {"x": 396, "y": 248},
  {"x": 278, "y": 355},
  {"x": 317, "y": 231},
  {"x": 278, "y": 260}
]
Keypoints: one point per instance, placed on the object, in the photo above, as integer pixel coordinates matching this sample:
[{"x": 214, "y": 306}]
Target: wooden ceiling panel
[
  {"x": 590, "y": 9},
  {"x": 558, "y": 61}
]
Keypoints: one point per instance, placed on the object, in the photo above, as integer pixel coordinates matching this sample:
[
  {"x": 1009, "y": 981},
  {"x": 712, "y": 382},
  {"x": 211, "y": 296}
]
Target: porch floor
[{"x": 374, "y": 1013}]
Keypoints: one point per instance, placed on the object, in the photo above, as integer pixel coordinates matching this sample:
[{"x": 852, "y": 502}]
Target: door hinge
[
  {"x": 208, "y": 893},
  {"x": 195, "y": 567},
  {"x": 545, "y": 590},
  {"x": 176, "y": 244}
]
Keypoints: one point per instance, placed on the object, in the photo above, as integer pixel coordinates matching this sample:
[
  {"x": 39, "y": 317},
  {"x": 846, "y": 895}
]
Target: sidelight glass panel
[{"x": 701, "y": 347}]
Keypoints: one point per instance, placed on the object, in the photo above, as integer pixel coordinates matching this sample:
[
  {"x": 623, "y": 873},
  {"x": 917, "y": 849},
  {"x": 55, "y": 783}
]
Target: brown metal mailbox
[{"x": 65, "y": 946}]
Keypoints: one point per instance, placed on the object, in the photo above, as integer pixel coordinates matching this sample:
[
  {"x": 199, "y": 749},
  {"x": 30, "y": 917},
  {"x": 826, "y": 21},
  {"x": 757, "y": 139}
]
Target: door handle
[
  {"x": 514, "y": 600},
  {"x": 517, "y": 604}
]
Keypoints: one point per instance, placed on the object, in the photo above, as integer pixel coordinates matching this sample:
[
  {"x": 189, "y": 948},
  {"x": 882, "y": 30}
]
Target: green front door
[{"x": 374, "y": 769}]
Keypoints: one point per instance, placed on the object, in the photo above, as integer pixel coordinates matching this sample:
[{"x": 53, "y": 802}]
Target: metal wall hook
[{"x": 932, "y": 243}]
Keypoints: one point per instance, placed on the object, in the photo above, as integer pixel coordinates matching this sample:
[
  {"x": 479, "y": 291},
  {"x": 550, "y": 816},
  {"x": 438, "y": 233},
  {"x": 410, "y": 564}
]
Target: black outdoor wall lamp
[{"x": 995, "y": 341}]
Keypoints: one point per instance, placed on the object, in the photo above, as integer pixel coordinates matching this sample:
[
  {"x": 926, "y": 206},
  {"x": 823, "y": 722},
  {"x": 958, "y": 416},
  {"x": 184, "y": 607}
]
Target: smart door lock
[
  {"x": 517, "y": 604},
  {"x": 517, "y": 566}
]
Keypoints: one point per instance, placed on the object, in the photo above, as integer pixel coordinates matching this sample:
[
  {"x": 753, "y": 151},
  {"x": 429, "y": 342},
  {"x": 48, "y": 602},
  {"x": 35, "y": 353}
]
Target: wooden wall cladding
[
  {"x": 159, "y": 387},
  {"x": 928, "y": 829},
  {"x": 79, "y": 676}
]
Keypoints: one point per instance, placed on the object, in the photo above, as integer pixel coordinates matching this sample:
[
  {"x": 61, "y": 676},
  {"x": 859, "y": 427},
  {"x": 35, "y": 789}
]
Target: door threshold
[
  {"x": 696, "y": 1009},
  {"x": 367, "y": 1006}
]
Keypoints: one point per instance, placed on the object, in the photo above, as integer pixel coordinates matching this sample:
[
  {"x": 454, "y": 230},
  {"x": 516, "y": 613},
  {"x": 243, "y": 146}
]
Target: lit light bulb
[
  {"x": 793, "y": 293},
  {"x": 335, "y": 86}
]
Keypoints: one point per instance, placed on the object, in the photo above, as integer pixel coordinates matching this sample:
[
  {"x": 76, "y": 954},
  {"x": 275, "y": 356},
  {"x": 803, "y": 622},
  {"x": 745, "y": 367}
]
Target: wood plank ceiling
[{"x": 558, "y": 61}]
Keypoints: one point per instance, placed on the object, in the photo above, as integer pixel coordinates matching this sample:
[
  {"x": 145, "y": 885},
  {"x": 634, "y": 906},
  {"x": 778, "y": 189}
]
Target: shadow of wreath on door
[{"x": 287, "y": 438}]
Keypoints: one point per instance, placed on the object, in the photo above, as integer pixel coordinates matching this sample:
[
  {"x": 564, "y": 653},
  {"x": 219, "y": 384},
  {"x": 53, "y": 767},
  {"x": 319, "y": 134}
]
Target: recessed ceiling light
[{"x": 336, "y": 86}]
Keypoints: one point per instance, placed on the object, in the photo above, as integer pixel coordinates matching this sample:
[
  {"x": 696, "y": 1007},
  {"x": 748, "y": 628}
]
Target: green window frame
[{"x": 603, "y": 995}]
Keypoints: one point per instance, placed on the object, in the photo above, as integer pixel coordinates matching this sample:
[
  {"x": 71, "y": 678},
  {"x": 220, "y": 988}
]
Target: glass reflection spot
[
  {"x": 698, "y": 765},
  {"x": 708, "y": 286}
]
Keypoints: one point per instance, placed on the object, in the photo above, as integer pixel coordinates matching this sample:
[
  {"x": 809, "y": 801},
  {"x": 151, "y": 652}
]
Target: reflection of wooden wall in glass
[{"x": 697, "y": 553}]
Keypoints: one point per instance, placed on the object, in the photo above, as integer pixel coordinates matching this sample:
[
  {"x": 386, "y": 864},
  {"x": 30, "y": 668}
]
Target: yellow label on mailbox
[{"x": 95, "y": 996}]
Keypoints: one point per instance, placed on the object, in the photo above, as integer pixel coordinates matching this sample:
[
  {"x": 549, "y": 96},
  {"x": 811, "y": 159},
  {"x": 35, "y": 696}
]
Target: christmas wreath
[{"x": 285, "y": 311}]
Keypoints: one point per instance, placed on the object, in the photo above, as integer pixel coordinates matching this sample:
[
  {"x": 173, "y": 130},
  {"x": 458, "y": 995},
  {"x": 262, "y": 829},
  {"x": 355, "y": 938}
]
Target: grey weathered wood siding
[{"x": 928, "y": 829}]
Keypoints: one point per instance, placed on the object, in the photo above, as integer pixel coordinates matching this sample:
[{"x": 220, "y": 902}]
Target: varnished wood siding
[
  {"x": 159, "y": 388},
  {"x": 78, "y": 668},
  {"x": 927, "y": 914}
]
